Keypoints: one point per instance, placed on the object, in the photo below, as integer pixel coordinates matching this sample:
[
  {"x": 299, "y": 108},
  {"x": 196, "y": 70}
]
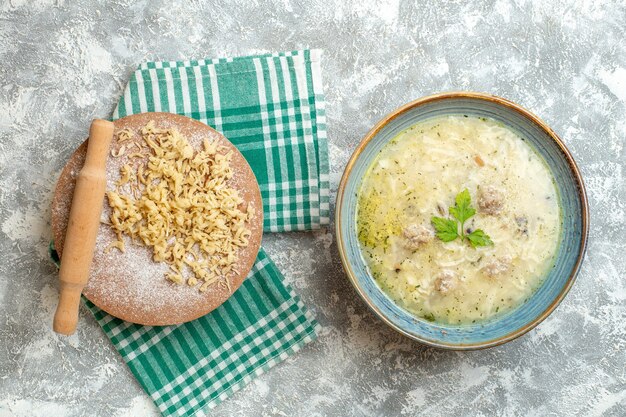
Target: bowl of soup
[{"x": 462, "y": 220}]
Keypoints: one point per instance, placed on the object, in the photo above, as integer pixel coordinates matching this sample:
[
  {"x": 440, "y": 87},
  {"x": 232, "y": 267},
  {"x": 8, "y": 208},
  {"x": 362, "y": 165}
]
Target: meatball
[
  {"x": 415, "y": 235},
  {"x": 446, "y": 281},
  {"x": 490, "y": 200},
  {"x": 497, "y": 267}
]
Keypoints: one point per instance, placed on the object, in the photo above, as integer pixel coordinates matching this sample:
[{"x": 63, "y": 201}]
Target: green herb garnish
[
  {"x": 448, "y": 229},
  {"x": 429, "y": 317}
]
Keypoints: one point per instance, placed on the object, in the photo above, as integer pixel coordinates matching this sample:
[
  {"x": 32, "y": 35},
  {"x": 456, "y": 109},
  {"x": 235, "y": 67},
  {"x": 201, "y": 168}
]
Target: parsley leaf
[
  {"x": 446, "y": 229},
  {"x": 462, "y": 210},
  {"x": 479, "y": 238}
]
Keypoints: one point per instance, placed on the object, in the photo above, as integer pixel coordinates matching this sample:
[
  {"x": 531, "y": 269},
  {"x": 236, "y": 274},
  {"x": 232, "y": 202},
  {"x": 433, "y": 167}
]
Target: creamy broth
[{"x": 416, "y": 176}]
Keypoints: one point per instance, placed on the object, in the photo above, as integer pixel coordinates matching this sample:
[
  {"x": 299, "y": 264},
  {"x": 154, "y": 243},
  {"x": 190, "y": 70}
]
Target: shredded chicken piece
[
  {"x": 182, "y": 207},
  {"x": 522, "y": 225}
]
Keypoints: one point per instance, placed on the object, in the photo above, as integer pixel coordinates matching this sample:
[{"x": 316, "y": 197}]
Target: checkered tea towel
[
  {"x": 272, "y": 108},
  {"x": 190, "y": 368}
]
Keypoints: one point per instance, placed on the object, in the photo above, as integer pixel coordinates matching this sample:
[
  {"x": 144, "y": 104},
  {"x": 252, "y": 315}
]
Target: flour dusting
[{"x": 67, "y": 62}]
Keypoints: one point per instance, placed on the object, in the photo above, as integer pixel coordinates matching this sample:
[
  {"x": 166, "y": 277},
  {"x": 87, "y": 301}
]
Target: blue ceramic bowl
[{"x": 572, "y": 198}]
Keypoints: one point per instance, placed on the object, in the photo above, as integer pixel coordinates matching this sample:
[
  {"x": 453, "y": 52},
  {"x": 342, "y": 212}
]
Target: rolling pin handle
[{"x": 66, "y": 316}]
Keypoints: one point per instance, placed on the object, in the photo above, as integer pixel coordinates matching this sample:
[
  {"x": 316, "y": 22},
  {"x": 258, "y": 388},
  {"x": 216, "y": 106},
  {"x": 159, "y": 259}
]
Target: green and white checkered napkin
[
  {"x": 272, "y": 108},
  {"x": 190, "y": 368}
]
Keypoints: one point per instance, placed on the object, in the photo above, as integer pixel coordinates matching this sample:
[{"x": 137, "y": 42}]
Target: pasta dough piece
[{"x": 182, "y": 207}]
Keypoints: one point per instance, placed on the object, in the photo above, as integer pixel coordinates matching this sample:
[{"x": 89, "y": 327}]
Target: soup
[{"x": 458, "y": 219}]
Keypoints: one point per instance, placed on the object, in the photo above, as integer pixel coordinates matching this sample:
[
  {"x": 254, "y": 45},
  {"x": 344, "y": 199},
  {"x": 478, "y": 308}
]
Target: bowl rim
[{"x": 582, "y": 195}]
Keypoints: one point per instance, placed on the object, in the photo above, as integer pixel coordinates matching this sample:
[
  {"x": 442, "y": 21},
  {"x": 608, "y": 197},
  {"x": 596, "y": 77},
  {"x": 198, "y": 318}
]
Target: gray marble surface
[{"x": 63, "y": 63}]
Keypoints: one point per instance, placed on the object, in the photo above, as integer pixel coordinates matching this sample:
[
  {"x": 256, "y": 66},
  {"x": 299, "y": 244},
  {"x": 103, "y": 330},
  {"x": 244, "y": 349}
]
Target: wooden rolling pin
[{"x": 82, "y": 228}]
